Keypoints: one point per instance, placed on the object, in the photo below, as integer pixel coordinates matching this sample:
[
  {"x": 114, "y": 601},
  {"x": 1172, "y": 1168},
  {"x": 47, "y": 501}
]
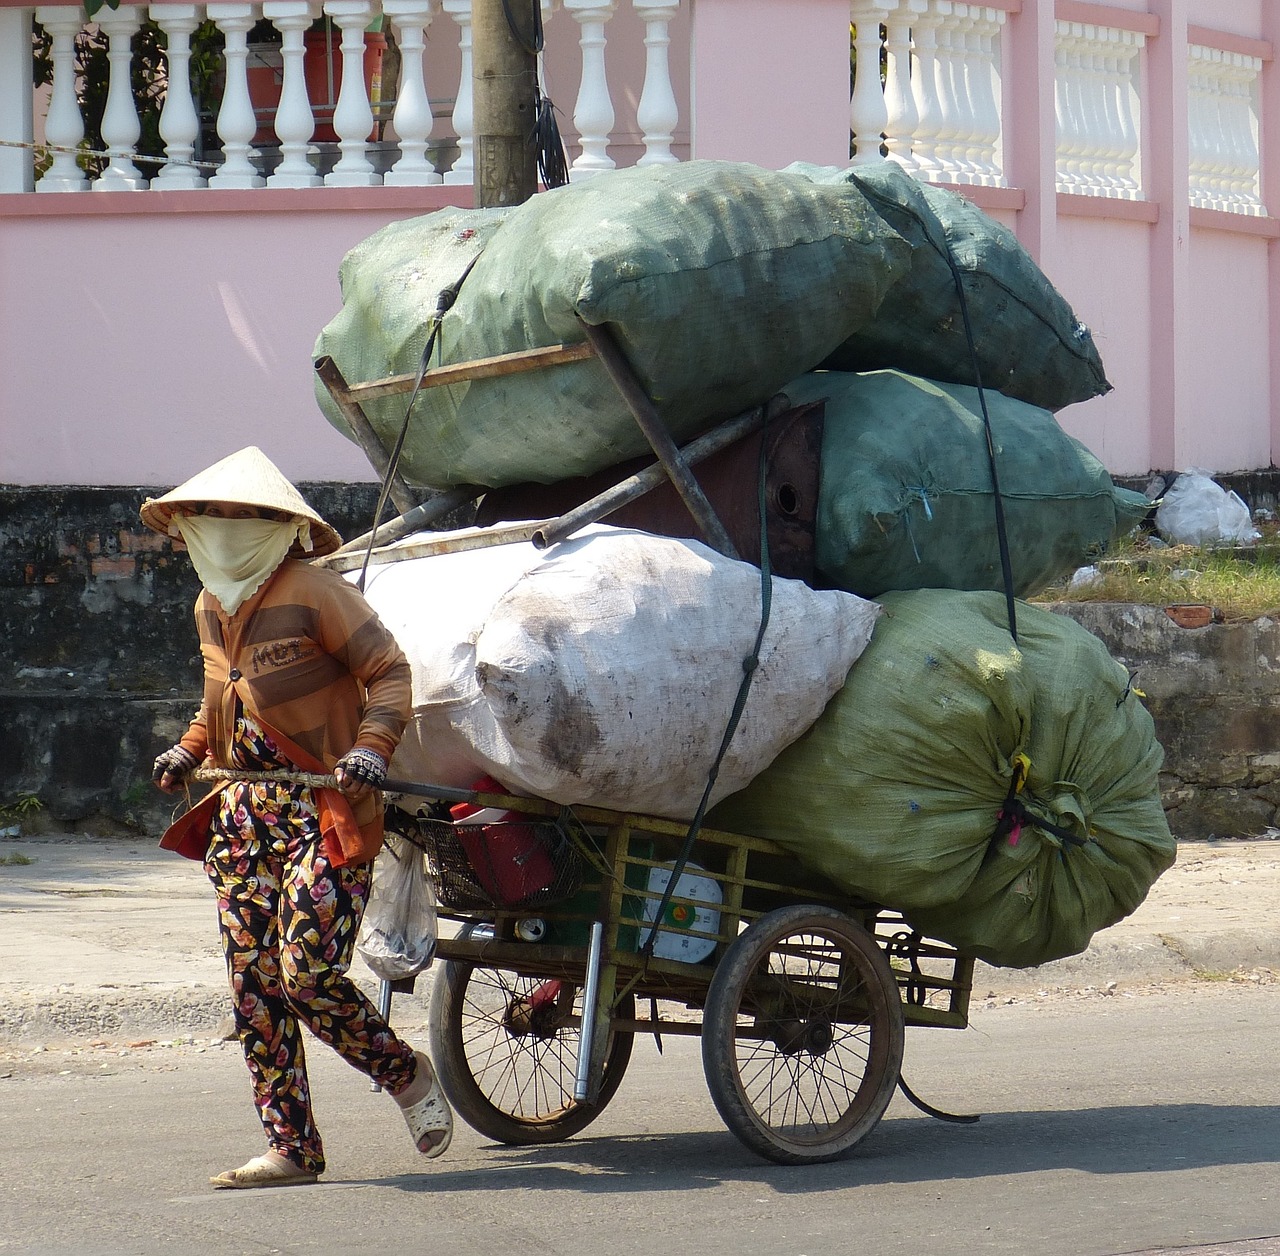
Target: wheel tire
[
  {"x": 796, "y": 1077},
  {"x": 514, "y": 1086}
]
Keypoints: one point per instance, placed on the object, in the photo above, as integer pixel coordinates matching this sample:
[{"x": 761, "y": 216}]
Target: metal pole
[
  {"x": 644, "y": 481},
  {"x": 411, "y": 521},
  {"x": 655, "y": 431},
  {"x": 582, "y": 1079},
  {"x": 504, "y": 90}
]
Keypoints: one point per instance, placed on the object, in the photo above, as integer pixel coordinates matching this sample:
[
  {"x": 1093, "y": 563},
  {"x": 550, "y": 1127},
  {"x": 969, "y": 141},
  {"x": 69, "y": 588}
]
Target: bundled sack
[
  {"x": 720, "y": 281},
  {"x": 905, "y": 498},
  {"x": 1030, "y": 345},
  {"x": 895, "y": 793},
  {"x": 606, "y": 672}
]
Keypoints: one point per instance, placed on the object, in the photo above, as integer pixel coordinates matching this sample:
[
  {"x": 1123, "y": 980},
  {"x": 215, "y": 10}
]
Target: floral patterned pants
[{"x": 289, "y": 922}]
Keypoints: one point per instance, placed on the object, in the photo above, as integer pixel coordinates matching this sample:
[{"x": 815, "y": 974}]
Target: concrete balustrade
[{"x": 419, "y": 130}]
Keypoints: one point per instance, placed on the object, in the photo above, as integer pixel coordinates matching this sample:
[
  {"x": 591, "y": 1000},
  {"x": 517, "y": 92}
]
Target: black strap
[
  {"x": 749, "y": 666},
  {"x": 444, "y": 302},
  {"x": 1002, "y": 535}
]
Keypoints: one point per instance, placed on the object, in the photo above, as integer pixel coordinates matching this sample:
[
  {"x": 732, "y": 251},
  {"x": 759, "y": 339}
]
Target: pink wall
[
  {"x": 782, "y": 93},
  {"x": 1229, "y": 401},
  {"x": 1118, "y": 314},
  {"x": 154, "y": 342}
]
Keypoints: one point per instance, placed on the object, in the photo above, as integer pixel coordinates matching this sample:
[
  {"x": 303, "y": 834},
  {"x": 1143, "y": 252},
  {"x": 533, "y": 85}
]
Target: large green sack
[
  {"x": 894, "y": 793},
  {"x": 905, "y": 498},
  {"x": 1030, "y": 345},
  {"x": 721, "y": 281}
]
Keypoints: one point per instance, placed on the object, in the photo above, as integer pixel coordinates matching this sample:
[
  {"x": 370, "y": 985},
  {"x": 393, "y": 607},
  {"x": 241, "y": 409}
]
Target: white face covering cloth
[{"x": 234, "y": 557}]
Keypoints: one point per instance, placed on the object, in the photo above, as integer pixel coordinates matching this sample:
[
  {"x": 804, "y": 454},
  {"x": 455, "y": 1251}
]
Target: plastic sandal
[
  {"x": 261, "y": 1171},
  {"x": 429, "y": 1115}
]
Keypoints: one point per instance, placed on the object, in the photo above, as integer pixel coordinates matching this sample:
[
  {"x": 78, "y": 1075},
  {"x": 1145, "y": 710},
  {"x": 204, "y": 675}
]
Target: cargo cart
[{"x": 799, "y": 994}]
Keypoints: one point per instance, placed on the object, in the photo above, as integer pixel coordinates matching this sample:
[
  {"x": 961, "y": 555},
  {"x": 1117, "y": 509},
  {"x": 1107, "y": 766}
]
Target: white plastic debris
[
  {"x": 1085, "y": 577},
  {"x": 1196, "y": 510}
]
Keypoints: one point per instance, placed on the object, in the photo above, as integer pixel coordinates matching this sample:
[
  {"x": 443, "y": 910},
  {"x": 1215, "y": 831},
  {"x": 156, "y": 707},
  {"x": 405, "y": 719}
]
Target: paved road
[{"x": 1134, "y": 1122}]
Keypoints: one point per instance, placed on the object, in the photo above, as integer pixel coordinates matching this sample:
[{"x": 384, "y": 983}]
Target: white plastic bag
[
  {"x": 1196, "y": 510},
  {"x": 397, "y": 938}
]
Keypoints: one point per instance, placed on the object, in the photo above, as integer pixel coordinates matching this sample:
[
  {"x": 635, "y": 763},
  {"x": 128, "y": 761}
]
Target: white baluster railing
[
  {"x": 657, "y": 113},
  {"x": 247, "y": 123},
  {"x": 121, "y": 127},
  {"x": 412, "y": 117},
  {"x": 237, "y": 124},
  {"x": 64, "y": 127},
  {"x": 1098, "y": 110},
  {"x": 353, "y": 114},
  {"x": 1224, "y": 163},
  {"x": 939, "y": 111},
  {"x": 868, "y": 113},
  {"x": 179, "y": 123},
  {"x": 463, "y": 169},
  {"x": 593, "y": 114}
]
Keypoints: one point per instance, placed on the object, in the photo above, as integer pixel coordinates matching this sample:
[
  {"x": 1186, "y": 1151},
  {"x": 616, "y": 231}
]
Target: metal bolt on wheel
[
  {"x": 802, "y": 1035},
  {"x": 506, "y": 1049}
]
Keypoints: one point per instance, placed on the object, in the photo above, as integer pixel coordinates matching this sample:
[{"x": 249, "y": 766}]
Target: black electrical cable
[{"x": 553, "y": 162}]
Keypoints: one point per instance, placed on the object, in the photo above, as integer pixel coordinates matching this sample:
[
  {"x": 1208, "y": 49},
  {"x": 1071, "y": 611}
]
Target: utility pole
[{"x": 504, "y": 86}]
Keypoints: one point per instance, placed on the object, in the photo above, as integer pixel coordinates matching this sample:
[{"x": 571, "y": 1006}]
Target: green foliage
[
  {"x": 22, "y": 805},
  {"x": 15, "y": 860}
]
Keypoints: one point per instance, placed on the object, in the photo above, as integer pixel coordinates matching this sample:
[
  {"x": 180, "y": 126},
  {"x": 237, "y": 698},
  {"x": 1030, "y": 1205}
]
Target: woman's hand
[
  {"x": 172, "y": 767},
  {"x": 360, "y": 772}
]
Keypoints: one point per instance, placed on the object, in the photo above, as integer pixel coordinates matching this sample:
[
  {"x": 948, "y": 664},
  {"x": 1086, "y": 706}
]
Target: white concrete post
[
  {"x": 179, "y": 123},
  {"x": 120, "y": 125},
  {"x": 413, "y": 118},
  {"x": 593, "y": 114},
  {"x": 295, "y": 122},
  {"x": 15, "y": 98},
  {"x": 352, "y": 115},
  {"x": 463, "y": 170},
  {"x": 63, "y": 126},
  {"x": 657, "y": 113},
  {"x": 237, "y": 124}
]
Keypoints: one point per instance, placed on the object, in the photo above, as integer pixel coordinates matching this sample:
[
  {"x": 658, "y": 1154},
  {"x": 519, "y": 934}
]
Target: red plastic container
[{"x": 509, "y": 861}]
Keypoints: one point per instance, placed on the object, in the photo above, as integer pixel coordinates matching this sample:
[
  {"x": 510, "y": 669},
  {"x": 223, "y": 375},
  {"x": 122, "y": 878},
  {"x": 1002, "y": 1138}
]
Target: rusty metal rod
[
  {"x": 646, "y": 415},
  {"x": 645, "y": 481},
  {"x": 411, "y": 521},
  {"x": 362, "y": 429},
  {"x": 449, "y": 543}
]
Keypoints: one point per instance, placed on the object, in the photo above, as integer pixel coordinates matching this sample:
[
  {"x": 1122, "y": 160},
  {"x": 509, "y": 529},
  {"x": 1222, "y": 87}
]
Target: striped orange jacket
[{"x": 308, "y": 656}]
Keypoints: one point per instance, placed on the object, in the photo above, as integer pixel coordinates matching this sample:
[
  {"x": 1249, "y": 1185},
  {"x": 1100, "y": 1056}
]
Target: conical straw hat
[{"x": 245, "y": 478}]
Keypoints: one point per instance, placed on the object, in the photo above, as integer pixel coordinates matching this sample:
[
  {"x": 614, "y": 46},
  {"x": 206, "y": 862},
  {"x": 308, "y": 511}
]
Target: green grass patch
[
  {"x": 1240, "y": 583},
  {"x": 15, "y": 860}
]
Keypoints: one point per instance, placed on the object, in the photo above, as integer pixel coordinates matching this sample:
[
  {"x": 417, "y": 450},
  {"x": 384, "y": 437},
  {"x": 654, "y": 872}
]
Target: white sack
[{"x": 605, "y": 669}]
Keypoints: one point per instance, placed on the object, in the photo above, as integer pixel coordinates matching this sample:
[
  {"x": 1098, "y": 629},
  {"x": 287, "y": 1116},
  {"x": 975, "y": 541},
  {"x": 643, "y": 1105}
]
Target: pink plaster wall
[
  {"x": 782, "y": 94},
  {"x": 145, "y": 344},
  {"x": 1118, "y": 314},
  {"x": 1229, "y": 398}
]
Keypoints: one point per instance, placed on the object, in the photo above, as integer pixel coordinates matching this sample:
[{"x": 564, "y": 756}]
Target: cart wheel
[
  {"x": 802, "y": 1035},
  {"x": 506, "y": 1059}
]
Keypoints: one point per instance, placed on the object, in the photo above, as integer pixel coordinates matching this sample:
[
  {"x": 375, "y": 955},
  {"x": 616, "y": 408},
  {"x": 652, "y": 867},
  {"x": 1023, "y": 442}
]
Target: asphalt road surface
[{"x": 1134, "y": 1122}]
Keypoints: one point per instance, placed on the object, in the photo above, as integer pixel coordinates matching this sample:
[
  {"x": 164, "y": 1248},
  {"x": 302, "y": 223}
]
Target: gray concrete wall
[
  {"x": 99, "y": 669},
  {"x": 1214, "y": 693},
  {"x": 99, "y": 665}
]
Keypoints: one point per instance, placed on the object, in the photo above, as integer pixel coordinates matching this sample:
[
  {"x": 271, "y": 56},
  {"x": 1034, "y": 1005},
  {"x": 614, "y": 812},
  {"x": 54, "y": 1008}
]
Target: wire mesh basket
[{"x": 478, "y": 867}]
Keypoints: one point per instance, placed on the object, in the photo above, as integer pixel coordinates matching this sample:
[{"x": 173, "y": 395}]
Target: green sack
[
  {"x": 905, "y": 498},
  {"x": 716, "y": 278},
  {"x": 1030, "y": 344},
  {"x": 894, "y": 793}
]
